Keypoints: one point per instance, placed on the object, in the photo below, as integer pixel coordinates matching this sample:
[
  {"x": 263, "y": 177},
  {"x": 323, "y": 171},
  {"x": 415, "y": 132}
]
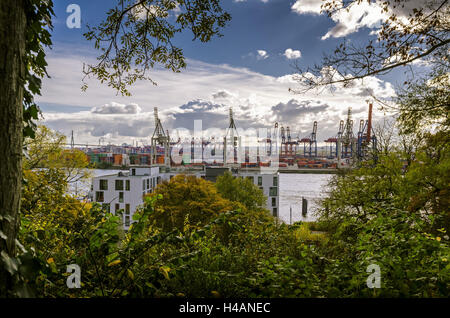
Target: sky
[{"x": 249, "y": 69}]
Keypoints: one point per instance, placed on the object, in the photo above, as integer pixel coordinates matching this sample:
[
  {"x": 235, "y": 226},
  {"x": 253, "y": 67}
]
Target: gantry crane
[
  {"x": 333, "y": 142},
  {"x": 367, "y": 141},
  {"x": 346, "y": 139},
  {"x": 310, "y": 143},
  {"x": 291, "y": 144},
  {"x": 159, "y": 138},
  {"x": 232, "y": 139}
]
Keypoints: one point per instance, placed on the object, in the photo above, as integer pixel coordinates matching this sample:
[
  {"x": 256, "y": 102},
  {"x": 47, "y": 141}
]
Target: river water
[{"x": 293, "y": 187}]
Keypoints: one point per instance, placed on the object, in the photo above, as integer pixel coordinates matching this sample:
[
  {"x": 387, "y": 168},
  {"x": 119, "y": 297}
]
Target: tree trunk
[{"x": 12, "y": 51}]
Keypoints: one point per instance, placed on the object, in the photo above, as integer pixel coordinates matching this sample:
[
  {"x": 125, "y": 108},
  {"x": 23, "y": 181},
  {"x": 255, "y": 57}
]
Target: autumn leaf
[
  {"x": 216, "y": 294},
  {"x": 165, "y": 271},
  {"x": 114, "y": 262}
]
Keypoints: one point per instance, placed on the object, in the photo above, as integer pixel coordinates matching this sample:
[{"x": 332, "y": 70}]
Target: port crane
[
  {"x": 232, "y": 140},
  {"x": 367, "y": 141},
  {"x": 310, "y": 143},
  {"x": 159, "y": 138},
  {"x": 346, "y": 139}
]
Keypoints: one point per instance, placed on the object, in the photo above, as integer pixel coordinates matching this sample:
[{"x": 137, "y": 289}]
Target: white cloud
[
  {"x": 364, "y": 14},
  {"x": 292, "y": 54},
  {"x": 290, "y": 111},
  {"x": 90, "y": 126},
  {"x": 347, "y": 21},
  {"x": 222, "y": 94},
  {"x": 307, "y": 6},
  {"x": 358, "y": 16},
  {"x": 116, "y": 108},
  {"x": 262, "y": 55}
]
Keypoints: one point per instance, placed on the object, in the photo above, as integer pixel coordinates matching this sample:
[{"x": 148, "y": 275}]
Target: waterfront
[{"x": 293, "y": 187}]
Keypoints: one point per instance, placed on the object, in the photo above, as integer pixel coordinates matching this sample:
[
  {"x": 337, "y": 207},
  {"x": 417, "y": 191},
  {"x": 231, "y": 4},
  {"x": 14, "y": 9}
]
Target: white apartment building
[
  {"x": 125, "y": 190},
  {"x": 269, "y": 184}
]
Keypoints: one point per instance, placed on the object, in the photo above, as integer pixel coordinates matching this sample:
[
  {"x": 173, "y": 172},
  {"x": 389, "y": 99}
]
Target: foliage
[
  {"x": 241, "y": 190},
  {"x": 137, "y": 35},
  {"x": 204, "y": 18},
  {"x": 409, "y": 32},
  {"x": 260, "y": 258},
  {"x": 303, "y": 233},
  {"x": 413, "y": 262},
  {"x": 196, "y": 239},
  {"x": 193, "y": 238},
  {"x": 187, "y": 199},
  {"x": 46, "y": 207},
  {"x": 420, "y": 187},
  {"x": 46, "y": 151},
  {"x": 102, "y": 165},
  {"x": 39, "y": 24},
  {"x": 37, "y": 37},
  {"x": 425, "y": 104},
  {"x": 394, "y": 214},
  {"x": 429, "y": 178}
]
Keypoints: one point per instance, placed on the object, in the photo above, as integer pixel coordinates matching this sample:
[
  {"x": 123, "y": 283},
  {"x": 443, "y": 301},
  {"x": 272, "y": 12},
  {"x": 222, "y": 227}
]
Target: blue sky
[
  {"x": 256, "y": 25},
  {"x": 226, "y": 72}
]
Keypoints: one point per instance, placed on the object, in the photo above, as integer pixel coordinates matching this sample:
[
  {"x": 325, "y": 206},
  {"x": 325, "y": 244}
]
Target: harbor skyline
[{"x": 252, "y": 76}]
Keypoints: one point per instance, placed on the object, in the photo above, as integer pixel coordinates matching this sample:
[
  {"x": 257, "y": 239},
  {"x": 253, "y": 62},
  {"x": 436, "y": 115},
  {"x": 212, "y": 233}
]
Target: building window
[
  {"x": 103, "y": 184},
  {"x": 117, "y": 208},
  {"x": 121, "y": 197},
  {"x": 148, "y": 183},
  {"x": 260, "y": 180},
  {"x": 127, "y": 214},
  {"x": 106, "y": 207},
  {"x": 275, "y": 181},
  {"x": 275, "y": 212},
  {"x": 119, "y": 185},
  {"x": 99, "y": 196},
  {"x": 273, "y": 192},
  {"x": 274, "y": 201},
  {"x": 127, "y": 185},
  {"x": 251, "y": 179},
  {"x": 133, "y": 172}
]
